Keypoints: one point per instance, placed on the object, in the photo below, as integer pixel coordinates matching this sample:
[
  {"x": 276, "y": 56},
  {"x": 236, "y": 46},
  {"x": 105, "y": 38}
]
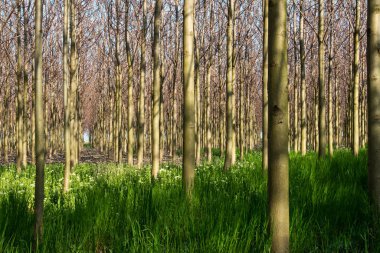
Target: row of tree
[{"x": 190, "y": 117}]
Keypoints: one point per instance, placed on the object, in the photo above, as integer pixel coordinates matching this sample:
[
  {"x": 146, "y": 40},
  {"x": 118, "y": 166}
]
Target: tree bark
[
  {"x": 140, "y": 149},
  {"x": 156, "y": 91},
  {"x": 189, "y": 112},
  {"x": 373, "y": 63},
  {"x": 66, "y": 78},
  {"x": 265, "y": 88},
  {"x": 230, "y": 80},
  {"x": 321, "y": 81},
  {"x": 278, "y": 173},
  {"x": 40, "y": 135},
  {"x": 356, "y": 131}
]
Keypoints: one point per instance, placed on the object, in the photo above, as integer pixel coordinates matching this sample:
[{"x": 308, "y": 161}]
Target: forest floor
[
  {"x": 113, "y": 208},
  {"x": 90, "y": 155}
]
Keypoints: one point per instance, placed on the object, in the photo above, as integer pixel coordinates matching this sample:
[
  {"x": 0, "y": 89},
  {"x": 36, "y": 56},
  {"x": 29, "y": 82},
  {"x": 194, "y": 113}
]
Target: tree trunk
[
  {"x": 278, "y": 173},
  {"x": 19, "y": 111},
  {"x": 131, "y": 137},
  {"x": 40, "y": 135},
  {"x": 303, "y": 85},
  {"x": 189, "y": 112},
  {"x": 373, "y": 63},
  {"x": 356, "y": 132},
  {"x": 230, "y": 101},
  {"x": 321, "y": 82},
  {"x": 156, "y": 91},
  {"x": 140, "y": 149},
  {"x": 66, "y": 78},
  {"x": 265, "y": 88}
]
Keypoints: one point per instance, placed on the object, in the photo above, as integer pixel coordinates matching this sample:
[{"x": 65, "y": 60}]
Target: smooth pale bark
[
  {"x": 278, "y": 171},
  {"x": 373, "y": 69},
  {"x": 19, "y": 102},
  {"x": 189, "y": 95},
  {"x": 265, "y": 88},
  {"x": 303, "y": 85},
  {"x": 131, "y": 111},
  {"x": 73, "y": 83},
  {"x": 208, "y": 112},
  {"x": 198, "y": 102},
  {"x": 156, "y": 91},
  {"x": 356, "y": 132},
  {"x": 118, "y": 151},
  {"x": 25, "y": 128},
  {"x": 40, "y": 134},
  {"x": 230, "y": 80},
  {"x": 321, "y": 82},
  {"x": 295, "y": 85},
  {"x": 66, "y": 77},
  {"x": 208, "y": 90},
  {"x": 330, "y": 92},
  {"x": 174, "y": 132},
  {"x": 141, "y": 119},
  {"x": 241, "y": 117}
]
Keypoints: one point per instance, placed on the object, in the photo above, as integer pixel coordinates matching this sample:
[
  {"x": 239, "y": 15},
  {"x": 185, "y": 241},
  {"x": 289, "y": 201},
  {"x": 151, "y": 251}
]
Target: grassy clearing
[{"x": 116, "y": 209}]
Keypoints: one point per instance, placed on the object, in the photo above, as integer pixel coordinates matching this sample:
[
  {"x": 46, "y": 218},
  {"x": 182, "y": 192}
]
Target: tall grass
[{"x": 117, "y": 209}]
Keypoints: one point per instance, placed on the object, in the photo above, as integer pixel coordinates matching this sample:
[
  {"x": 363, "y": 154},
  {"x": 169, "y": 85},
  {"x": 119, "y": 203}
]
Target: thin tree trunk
[
  {"x": 321, "y": 82},
  {"x": 156, "y": 91},
  {"x": 230, "y": 80},
  {"x": 40, "y": 135},
  {"x": 140, "y": 150},
  {"x": 189, "y": 112},
  {"x": 278, "y": 172},
  {"x": 66, "y": 78},
  {"x": 356, "y": 132},
  {"x": 265, "y": 87},
  {"x": 19, "y": 112},
  {"x": 303, "y": 85},
  {"x": 373, "y": 63},
  {"x": 131, "y": 137}
]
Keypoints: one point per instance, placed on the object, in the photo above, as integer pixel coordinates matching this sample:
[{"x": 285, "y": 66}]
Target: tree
[
  {"x": 189, "y": 95},
  {"x": 230, "y": 104},
  {"x": 321, "y": 81},
  {"x": 156, "y": 91},
  {"x": 278, "y": 173},
  {"x": 40, "y": 134},
  {"x": 356, "y": 132},
  {"x": 66, "y": 79},
  {"x": 373, "y": 63},
  {"x": 303, "y": 85},
  {"x": 131, "y": 112},
  {"x": 265, "y": 87},
  {"x": 141, "y": 119}
]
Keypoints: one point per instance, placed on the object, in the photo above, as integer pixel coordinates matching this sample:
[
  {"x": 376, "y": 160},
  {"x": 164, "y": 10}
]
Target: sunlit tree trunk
[
  {"x": 40, "y": 135},
  {"x": 278, "y": 174},
  {"x": 189, "y": 95},
  {"x": 356, "y": 131},
  {"x": 19, "y": 111},
  {"x": 265, "y": 87},
  {"x": 330, "y": 90},
  {"x": 156, "y": 91},
  {"x": 321, "y": 81},
  {"x": 373, "y": 63},
  {"x": 66, "y": 78},
  {"x": 73, "y": 83},
  {"x": 303, "y": 85},
  {"x": 140, "y": 150},
  {"x": 230, "y": 80},
  {"x": 295, "y": 86}
]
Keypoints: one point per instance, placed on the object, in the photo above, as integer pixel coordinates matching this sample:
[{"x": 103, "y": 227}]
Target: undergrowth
[{"x": 114, "y": 208}]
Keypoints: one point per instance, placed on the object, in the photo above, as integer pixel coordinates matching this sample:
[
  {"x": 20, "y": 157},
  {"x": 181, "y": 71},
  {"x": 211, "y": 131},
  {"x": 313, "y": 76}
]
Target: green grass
[{"x": 116, "y": 209}]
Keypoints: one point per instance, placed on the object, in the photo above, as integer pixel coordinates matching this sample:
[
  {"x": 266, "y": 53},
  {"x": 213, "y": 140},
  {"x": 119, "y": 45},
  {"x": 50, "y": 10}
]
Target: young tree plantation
[{"x": 189, "y": 126}]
